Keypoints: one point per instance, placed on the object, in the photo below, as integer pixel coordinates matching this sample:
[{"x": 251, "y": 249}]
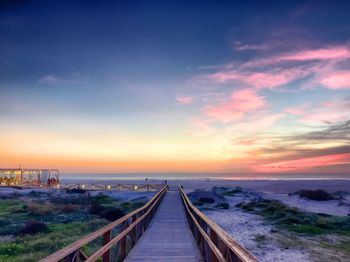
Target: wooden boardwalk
[{"x": 168, "y": 237}]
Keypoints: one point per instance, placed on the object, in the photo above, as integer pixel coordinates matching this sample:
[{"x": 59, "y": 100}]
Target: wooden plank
[{"x": 168, "y": 237}]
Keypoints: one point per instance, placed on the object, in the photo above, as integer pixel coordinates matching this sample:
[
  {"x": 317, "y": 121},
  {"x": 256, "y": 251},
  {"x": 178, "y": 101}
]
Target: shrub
[
  {"x": 113, "y": 214},
  {"x": 260, "y": 238},
  {"x": 296, "y": 220},
  {"x": 76, "y": 190},
  {"x": 206, "y": 200},
  {"x": 318, "y": 195},
  {"x": 197, "y": 203},
  {"x": 246, "y": 206},
  {"x": 40, "y": 209},
  {"x": 96, "y": 209},
  {"x": 223, "y": 206},
  {"x": 232, "y": 192},
  {"x": 69, "y": 208},
  {"x": 11, "y": 248},
  {"x": 102, "y": 199},
  {"x": 32, "y": 227},
  {"x": 129, "y": 206}
]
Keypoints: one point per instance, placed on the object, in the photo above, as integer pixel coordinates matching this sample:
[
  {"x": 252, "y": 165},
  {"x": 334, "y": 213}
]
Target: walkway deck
[{"x": 168, "y": 238}]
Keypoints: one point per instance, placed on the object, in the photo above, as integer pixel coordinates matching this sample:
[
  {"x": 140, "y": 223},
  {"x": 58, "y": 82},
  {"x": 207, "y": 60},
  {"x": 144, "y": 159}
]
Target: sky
[{"x": 175, "y": 86}]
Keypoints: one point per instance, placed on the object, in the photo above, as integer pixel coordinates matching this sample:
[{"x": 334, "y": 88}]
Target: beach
[
  {"x": 269, "y": 238},
  {"x": 233, "y": 209}
]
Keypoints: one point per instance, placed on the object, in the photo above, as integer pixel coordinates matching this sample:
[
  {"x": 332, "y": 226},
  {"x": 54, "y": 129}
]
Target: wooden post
[
  {"x": 106, "y": 239},
  {"x": 134, "y": 231},
  {"x": 214, "y": 238},
  {"x": 123, "y": 248}
]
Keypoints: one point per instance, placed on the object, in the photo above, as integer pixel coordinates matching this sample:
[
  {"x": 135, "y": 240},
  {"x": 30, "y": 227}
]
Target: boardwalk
[{"x": 168, "y": 237}]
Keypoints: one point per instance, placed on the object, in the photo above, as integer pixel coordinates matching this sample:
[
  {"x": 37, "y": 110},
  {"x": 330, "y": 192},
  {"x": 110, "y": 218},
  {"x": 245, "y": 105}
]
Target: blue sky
[{"x": 175, "y": 86}]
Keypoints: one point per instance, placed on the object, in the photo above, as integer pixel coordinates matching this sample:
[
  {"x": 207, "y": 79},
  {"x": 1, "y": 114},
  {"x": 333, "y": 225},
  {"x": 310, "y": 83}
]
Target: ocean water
[{"x": 206, "y": 176}]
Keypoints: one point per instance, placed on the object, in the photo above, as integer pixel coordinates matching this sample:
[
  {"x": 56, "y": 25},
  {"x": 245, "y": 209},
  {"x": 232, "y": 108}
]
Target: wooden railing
[
  {"x": 114, "y": 248},
  {"x": 214, "y": 243},
  {"x": 120, "y": 187}
]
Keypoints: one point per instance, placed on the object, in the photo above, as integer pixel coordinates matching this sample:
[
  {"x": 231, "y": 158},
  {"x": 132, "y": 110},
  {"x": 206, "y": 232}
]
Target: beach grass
[
  {"x": 296, "y": 220},
  {"x": 37, "y": 224}
]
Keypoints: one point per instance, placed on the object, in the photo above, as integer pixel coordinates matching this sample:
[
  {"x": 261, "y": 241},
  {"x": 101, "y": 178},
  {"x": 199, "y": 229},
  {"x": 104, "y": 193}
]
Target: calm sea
[{"x": 231, "y": 176}]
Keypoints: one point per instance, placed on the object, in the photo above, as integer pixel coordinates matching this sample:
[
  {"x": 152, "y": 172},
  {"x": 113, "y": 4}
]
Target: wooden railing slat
[
  {"x": 120, "y": 237},
  {"x": 216, "y": 232},
  {"x": 63, "y": 253}
]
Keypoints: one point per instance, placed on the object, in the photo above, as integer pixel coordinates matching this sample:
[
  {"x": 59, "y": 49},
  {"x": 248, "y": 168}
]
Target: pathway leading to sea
[{"x": 168, "y": 237}]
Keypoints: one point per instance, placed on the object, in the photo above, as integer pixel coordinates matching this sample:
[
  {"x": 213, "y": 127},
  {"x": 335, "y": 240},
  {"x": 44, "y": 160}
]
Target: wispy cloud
[
  {"x": 304, "y": 163},
  {"x": 328, "y": 53},
  {"x": 239, "y": 46},
  {"x": 330, "y": 146},
  {"x": 337, "y": 80},
  {"x": 328, "y": 112},
  {"x": 184, "y": 100},
  {"x": 241, "y": 102},
  {"x": 321, "y": 65},
  {"x": 271, "y": 79},
  {"x": 53, "y": 80}
]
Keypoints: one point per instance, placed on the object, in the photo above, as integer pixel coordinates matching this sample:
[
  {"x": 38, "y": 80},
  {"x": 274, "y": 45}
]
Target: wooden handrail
[
  {"x": 116, "y": 239},
  {"x": 73, "y": 252},
  {"x": 111, "y": 186},
  {"x": 215, "y": 244}
]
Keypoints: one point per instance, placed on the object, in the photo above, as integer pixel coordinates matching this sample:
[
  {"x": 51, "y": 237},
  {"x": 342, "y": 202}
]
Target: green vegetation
[
  {"x": 223, "y": 206},
  {"x": 206, "y": 200},
  {"x": 32, "y": 247},
  {"x": 260, "y": 239},
  {"x": 295, "y": 220},
  {"x": 40, "y": 224},
  {"x": 32, "y": 228},
  {"x": 317, "y": 195},
  {"x": 232, "y": 192}
]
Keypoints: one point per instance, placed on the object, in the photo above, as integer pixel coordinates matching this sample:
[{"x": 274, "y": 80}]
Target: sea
[{"x": 201, "y": 176}]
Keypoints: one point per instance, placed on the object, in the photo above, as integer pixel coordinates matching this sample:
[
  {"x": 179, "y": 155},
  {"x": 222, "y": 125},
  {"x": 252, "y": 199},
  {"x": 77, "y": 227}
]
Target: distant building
[{"x": 29, "y": 177}]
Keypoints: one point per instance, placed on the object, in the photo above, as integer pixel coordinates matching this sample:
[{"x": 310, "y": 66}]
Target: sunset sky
[{"x": 175, "y": 86}]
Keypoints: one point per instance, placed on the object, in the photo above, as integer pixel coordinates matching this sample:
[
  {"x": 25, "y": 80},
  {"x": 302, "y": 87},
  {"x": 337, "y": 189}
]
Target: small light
[
  {"x": 83, "y": 186},
  {"x": 109, "y": 187},
  {"x": 135, "y": 187}
]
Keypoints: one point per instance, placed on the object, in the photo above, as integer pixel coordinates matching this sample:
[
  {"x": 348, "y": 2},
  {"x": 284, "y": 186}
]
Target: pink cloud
[
  {"x": 270, "y": 73},
  {"x": 257, "y": 123},
  {"x": 184, "y": 100},
  {"x": 339, "y": 52},
  {"x": 325, "y": 116},
  {"x": 243, "y": 47},
  {"x": 337, "y": 80},
  {"x": 304, "y": 163},
  {"x": 323, "y": 112},
  {"x": 241, "y": 102},
  {"x": 323, "y": 54},
  {"x": 259, "y": 79}
]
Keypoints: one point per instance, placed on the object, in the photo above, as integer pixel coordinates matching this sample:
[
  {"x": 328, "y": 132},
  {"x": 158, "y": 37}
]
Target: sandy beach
[{"x": 266, "y": 240}]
